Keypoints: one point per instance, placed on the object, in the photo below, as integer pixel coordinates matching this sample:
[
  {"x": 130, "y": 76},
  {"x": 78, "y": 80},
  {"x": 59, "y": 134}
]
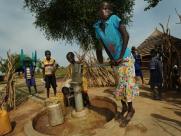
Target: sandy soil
[{"x": 152, "y": 118}]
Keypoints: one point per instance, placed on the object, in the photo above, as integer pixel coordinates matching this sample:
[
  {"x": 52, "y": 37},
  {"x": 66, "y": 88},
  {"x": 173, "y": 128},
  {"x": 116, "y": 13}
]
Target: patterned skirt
[{"x": 126, "y": 88}]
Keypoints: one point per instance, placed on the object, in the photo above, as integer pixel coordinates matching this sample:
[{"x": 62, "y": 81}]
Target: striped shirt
[
  {"x": 28, "y": 73},
  {"x": 49, "y": 66}
]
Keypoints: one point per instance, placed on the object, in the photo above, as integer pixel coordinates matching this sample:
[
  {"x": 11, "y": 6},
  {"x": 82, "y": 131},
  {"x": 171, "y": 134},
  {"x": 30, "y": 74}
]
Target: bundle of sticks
[
  {"x": 170, "y": 55},
  {"x": 98, "y": 75},
  {"x": 10, "y": 96}
]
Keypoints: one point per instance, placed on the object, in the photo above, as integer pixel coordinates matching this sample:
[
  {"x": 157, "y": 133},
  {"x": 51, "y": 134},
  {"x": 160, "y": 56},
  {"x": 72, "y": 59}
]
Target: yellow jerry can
[{"x": 5, "y": 124}]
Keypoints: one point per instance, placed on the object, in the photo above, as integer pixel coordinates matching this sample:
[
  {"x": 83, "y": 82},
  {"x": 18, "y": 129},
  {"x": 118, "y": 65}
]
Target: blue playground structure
[{"x": 33, "y": 58}]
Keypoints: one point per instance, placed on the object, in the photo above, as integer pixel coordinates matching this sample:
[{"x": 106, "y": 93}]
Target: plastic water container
[
  {"x": 59, "y": 98},
  {"x": 5, "y": 124},
  {"x": 55, "y": 115}
]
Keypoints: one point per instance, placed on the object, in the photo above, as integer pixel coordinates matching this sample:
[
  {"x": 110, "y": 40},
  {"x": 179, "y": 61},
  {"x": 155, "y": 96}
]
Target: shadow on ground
[
  {"x": 13, "y": 125},
  {"x": 163, "y": 122},
  {"x": 177, "y": 113},
  {"x": 170, "y": 96},
  {"x": 103, "y": 111},
  {"x": 109, "y": 91}
]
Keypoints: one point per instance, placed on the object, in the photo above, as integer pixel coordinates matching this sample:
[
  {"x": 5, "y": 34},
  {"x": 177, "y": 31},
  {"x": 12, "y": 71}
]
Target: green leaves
[
  {"x": 152, "y": 4},
  {"x": 73, "y": 20}
]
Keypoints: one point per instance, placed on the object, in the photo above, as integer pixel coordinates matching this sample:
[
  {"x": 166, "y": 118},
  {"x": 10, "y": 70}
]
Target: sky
[{"x": 17, "y": 30}]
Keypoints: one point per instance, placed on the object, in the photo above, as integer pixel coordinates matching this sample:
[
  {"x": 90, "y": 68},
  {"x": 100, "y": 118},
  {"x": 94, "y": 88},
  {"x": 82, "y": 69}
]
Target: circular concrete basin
[{"x": 101, "y": 111}]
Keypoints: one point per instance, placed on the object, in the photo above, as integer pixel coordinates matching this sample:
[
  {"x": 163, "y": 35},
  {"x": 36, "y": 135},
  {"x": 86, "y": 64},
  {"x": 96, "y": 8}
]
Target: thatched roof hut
[
  {"x": 155, "y": 40},
  {"x": 169, "y": 50}
]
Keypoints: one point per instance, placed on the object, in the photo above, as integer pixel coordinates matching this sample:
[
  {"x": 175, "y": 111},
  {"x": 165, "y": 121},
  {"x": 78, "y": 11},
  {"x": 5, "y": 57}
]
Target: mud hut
[{"x": 169, "y": 48}]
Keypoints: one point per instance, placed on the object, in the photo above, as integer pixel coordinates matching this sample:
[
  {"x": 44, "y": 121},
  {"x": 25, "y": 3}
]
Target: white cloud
[
  {"x": 144, "y": 22},
  {"x": 139, "y": 6},
  {"x": 18, "y": 32}
]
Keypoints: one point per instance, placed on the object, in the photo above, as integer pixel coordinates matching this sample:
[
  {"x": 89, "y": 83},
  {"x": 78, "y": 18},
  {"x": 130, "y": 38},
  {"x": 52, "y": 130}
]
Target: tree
[
  {"x": 3, "y": 65},
  {"x": 18, "y": 66},
  {"x": 9, "y": 66},
  {"x": 179, "y": 15},
  {"x": 73, "y": 20},
  {"x": 152, "y": 3}
]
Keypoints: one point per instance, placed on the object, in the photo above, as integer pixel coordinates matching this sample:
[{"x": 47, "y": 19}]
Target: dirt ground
[
  {"x": 160, "y": 118},
  {"x": 21, "y": 115},
  {"x": 152, "y": 118}
]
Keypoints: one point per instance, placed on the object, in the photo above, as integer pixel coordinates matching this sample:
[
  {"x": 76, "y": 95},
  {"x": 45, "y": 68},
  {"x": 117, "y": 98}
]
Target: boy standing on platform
[{"x": 49, "y": 68}]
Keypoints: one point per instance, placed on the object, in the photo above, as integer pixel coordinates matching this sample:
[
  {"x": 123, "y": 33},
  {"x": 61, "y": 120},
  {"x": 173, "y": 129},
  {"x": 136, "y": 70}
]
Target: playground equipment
[{"x": 33, "y": 58}]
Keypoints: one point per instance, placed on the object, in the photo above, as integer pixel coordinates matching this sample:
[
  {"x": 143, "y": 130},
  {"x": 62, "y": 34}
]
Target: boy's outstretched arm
[
  {"x": 43, "y": 69},
  {"x": 99, "y": 52},
  {"x": 125, "y": 37}
]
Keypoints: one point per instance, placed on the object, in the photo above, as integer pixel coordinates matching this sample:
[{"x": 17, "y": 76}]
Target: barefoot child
[
  {"x": 112, "y": 34},
  {"x": 155, "y": 75},
  {"x": 137, "y": 64},
  {"x": 49, "y": 66},
  {"x": 29, "y": 71}
]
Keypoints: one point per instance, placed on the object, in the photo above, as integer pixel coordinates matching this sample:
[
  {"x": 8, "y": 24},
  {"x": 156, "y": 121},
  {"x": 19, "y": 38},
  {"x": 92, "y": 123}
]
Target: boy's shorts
[
  {"x": 155, "y": 78},
  {"x": 138, "y": 72},
  {"x": 50, "y": 80},
  {"x": 30, "y": 82}
]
